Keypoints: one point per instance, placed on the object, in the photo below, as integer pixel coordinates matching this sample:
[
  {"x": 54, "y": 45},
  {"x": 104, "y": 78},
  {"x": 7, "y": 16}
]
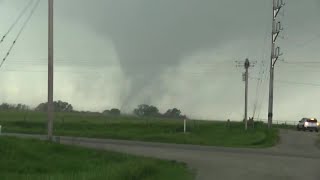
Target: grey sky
[{"x": 181, "y": 53}]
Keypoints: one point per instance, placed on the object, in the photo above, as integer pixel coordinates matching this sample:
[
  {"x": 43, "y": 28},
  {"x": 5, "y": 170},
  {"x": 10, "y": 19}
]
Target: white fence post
[{"x": 184, "y": 125}]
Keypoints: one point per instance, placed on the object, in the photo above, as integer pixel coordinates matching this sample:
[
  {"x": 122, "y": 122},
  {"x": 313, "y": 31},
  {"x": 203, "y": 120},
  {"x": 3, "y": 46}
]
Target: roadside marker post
[{"x": 184, "y": 125}]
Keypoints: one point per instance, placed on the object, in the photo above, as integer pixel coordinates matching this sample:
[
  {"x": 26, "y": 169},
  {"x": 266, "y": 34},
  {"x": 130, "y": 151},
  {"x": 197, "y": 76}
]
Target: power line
[
  {"x": 105, "y": 58},
  {"x": 19, "y": 33},
  {"x": 16, "y": 21},
  {"x": 264, "y": 85},
  {"x": 258, "y": 91},
  {"x": 297, "y": 83},
  {"x": 304, "y": 66},
  {"x": 200, "y": 68},
  {"x": 260, "y": 83},
  {"x": 292, "y": 82},
  {"x": 102, "y": 69},
  {"x": 302, "y": 62},
  {"x": 304, "y": 44},
  {"x": 45, "y": 71},
  {"x": 264, "y": 93}
]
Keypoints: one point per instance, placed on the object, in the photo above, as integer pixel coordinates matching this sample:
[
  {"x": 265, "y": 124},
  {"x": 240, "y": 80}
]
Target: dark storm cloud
[{"x": 151, "y": 36}]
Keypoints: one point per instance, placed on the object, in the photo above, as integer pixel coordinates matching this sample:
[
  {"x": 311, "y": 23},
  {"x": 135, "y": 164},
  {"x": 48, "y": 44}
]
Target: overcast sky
[{"x": 169, "y": 53}]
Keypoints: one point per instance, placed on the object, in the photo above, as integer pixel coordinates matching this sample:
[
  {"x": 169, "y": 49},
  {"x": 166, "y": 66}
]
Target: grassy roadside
[
  {"x": 143, "y": 129},
  {"x": 37, "y": 160}
]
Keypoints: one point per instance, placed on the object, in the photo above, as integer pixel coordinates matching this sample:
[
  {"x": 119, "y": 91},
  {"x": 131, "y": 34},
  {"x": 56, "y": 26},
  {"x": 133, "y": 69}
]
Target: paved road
[{"x": 295, "y": 158}]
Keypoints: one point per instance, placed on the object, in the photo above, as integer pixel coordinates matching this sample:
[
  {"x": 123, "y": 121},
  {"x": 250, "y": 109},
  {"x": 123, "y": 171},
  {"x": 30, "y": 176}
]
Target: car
[{"x": 308, "y": 124}]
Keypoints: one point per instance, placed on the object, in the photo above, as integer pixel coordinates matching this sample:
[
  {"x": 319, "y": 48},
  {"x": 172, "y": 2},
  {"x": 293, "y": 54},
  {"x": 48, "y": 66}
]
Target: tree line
[
  {"x": 14, "y": 107},
  {"x": 59, "y": 106},
  {"x": 145, "y": 110},
  {"x": 142, "y": 110}
]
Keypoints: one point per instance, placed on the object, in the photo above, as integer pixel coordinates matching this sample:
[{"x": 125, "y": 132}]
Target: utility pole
[
  {"x": 275, "y": 53},
  {"x": 246, "y": 66},
  {"x": 245, "y": 78},
  {"x": 50, "y": 70}
]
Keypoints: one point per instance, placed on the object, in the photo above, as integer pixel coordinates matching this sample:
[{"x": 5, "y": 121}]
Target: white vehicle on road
[{"x": 308, "y": 124}]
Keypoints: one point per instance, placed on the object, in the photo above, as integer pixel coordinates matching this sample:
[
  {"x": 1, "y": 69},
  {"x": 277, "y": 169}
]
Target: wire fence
[{"x": 280, "y": 122}]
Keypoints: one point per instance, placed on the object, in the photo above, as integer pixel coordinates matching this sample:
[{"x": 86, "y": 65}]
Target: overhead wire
[
  {"x": 292, "y": 82},
  {"x": 258, "y": 87},
  {"x": 305, "y": 43},
  {"x": 20, "y": 32},
  {"x": 261, "y": 73},
  {"x": 24, "y": 10},
  {"x": 102, "y": 59},
  {"x": 263, "y": 90},
  {"x": 264, "y": 85},
  {"x": 198, "y": 69},
  {"x": 302, "y": 62},
  {"x": 263, "y": 76}
]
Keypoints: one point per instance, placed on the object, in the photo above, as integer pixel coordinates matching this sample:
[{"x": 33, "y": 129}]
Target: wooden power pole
[{"x": 50, "y": 71}]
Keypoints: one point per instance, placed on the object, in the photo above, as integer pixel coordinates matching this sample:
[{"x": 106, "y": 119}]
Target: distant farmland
[{"x": 143, "y": 129}]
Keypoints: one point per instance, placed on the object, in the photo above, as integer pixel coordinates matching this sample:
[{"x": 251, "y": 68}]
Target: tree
[
  {"x": 59, "y": 106},
  {"x": 22, "y": 107},
  {"x": 173, "y": 113},
  {"x": 106, "y": 112},
  {"x": 42, "y": 107},
  {"x": 115, "y": 112},
  {"x": 112, "y": 112},
  {"x": 18, "y": 107},
  {"x": 146, "y": 110},
  {"x": 5, "y": 106}
]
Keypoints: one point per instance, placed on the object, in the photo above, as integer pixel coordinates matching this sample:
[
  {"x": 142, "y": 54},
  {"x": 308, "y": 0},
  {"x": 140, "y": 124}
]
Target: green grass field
[
  {"x": 144, "y": 129},
  {"x": 37, "y": 160}
]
